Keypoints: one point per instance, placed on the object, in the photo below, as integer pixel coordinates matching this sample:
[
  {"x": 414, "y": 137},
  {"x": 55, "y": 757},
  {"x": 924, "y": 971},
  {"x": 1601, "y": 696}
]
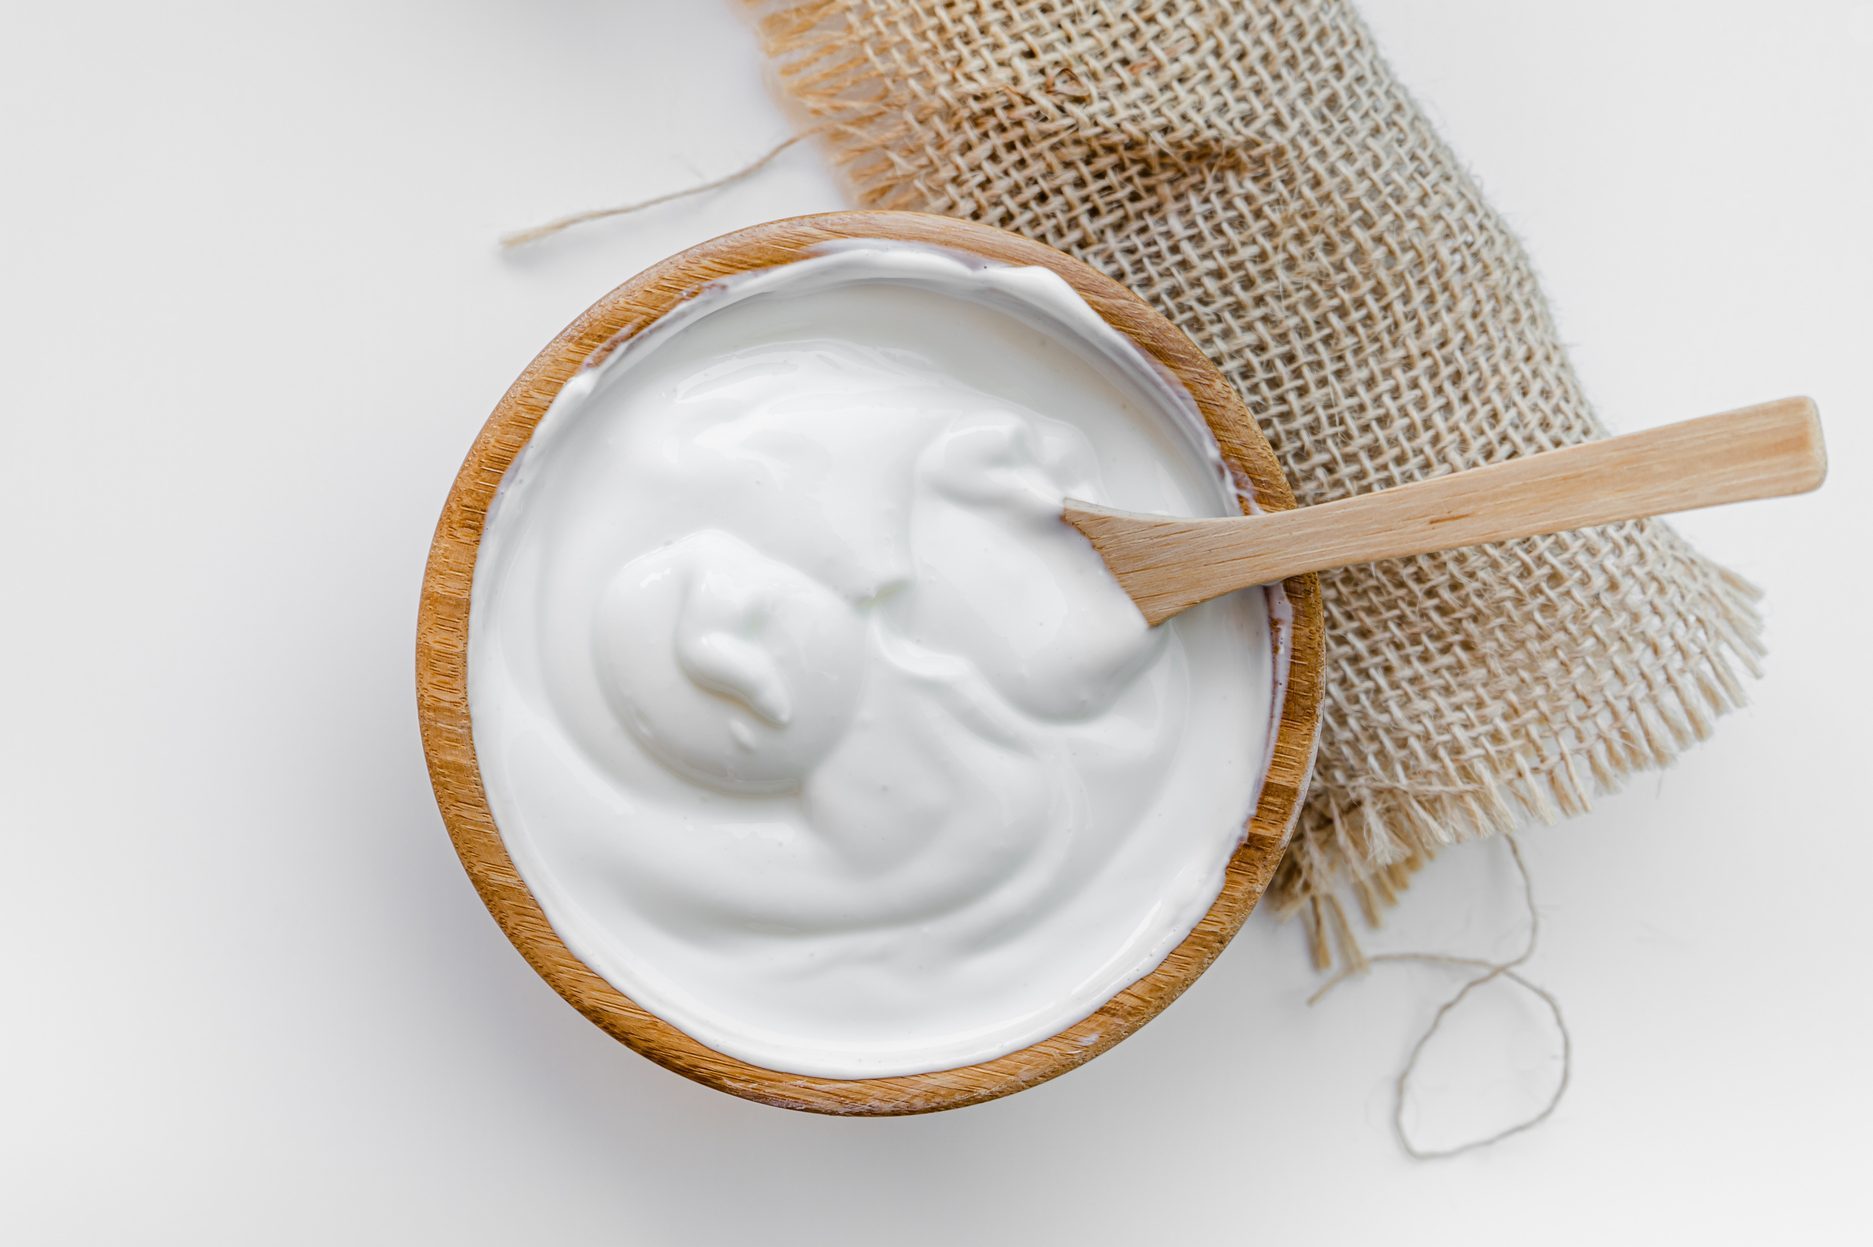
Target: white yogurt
[{"x": 812, "y": 727}]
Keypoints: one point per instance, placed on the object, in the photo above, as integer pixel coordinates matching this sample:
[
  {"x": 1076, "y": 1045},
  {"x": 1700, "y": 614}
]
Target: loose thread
[
  {"x": 520, "y": 238},
  {"x": 1492, "y": 970}
]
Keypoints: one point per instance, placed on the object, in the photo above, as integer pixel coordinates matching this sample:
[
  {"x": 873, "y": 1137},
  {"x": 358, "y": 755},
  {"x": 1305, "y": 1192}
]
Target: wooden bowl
[{"x": 442, "y": 673}]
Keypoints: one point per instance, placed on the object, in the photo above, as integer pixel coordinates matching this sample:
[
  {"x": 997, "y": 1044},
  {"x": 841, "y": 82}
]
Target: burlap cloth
[{"x": 1253, "y": 170}]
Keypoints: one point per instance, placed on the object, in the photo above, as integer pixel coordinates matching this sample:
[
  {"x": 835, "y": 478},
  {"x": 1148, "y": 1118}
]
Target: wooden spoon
[{"x": 1168, "y": 565}]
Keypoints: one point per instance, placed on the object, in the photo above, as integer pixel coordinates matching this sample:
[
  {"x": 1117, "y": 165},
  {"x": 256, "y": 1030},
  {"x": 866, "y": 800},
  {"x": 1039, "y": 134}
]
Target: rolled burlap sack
[{"x": 1253, "y": 169}]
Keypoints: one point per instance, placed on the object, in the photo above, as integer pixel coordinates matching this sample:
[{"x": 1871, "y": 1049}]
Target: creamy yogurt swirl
[{"x": 811, "y": 725}]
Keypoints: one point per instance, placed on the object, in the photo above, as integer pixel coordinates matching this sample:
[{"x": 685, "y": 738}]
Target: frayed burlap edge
[{"x": 1367, "y": 844}]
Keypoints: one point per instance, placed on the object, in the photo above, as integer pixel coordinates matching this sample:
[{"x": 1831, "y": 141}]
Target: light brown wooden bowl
[{"x": 442, "y": 673}]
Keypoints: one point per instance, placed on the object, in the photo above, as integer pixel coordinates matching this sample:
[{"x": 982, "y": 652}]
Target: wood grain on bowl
[{"x": 442, "y": 669}]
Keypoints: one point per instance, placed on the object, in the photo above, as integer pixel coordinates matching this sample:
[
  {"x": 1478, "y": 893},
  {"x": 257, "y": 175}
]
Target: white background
[{"x": 251, "y": 315}]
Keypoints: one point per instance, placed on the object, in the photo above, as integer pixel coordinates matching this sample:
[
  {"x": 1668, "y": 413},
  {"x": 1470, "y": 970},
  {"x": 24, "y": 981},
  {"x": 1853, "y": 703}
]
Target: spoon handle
[{"x": 1756, "y": 452}]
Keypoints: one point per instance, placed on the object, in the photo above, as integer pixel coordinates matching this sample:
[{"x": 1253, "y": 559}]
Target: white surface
[{"x": 249, "y": 995}]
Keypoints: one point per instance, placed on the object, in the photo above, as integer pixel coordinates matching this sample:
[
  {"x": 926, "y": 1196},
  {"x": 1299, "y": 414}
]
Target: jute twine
[
  {"x": 1252, "y": 168},
  {"x": 1483, "y": 972}
]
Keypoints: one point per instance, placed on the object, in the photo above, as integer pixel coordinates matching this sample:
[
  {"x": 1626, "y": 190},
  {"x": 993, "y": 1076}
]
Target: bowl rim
[{"x": 442, "y": 671}]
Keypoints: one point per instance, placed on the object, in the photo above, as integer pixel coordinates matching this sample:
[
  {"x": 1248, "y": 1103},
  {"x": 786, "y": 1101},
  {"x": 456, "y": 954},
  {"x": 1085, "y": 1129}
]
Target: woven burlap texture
[{"x": 1254, "y": 170}]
